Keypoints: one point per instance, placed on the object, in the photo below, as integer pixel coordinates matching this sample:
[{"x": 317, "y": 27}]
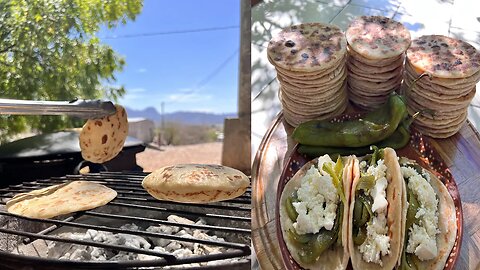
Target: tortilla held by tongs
[{"x": 60, "y": 199}]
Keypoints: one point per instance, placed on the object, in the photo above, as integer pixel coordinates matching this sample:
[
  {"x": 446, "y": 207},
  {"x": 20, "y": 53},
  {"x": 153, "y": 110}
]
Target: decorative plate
[{"x": 419, "y": 149}]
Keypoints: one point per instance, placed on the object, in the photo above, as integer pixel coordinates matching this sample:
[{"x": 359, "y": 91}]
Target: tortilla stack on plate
[
  {"x": 454, "y": 69},
  {"x": 310, "y": 63},
  {"x": 376, "y": 51}
]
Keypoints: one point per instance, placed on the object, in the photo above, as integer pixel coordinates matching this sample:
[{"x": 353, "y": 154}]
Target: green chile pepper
[
  {"x": 374, "y": 127},
  {"x": 397, "y": 140},
  {"x": 336, "y": 178},
  {"x": 299, "y": 239},
  {"x": 357, "y": 213},
  {"x": 410, "y": 261},
  {"x": 362, "y": 213},
  {"x": 338, "y": 224},
  {"x": 291, "y": 212},
  {"x": 360, "y": 236},
  {"x": 366, "y": 182},
  {"x": 411, "y": 210},
  {"x": 315, "y": 247}
]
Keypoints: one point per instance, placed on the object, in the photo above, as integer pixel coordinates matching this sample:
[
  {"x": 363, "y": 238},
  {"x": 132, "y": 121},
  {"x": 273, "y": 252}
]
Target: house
[{"x": 141, "y": 128}]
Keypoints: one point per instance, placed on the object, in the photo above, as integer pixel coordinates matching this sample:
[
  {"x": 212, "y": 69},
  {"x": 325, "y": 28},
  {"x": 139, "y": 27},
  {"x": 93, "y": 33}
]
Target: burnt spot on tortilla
[
  {"x": 289, "y": 43},
  {"x": 167, "y": 176},
  {"x": 89, "y": 128},
  {"x": 98, "y": 123},
  {"x": 293, "y": 51},
  {"x": 104, "y": 139}
]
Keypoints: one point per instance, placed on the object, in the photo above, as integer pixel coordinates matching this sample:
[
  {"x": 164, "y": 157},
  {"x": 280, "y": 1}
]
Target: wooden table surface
[{"x": 461, "y": 153}]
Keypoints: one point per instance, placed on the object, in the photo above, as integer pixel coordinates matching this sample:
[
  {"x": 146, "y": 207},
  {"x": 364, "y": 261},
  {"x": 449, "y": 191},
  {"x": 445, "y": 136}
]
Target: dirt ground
[{"x": 154, "y": 157}]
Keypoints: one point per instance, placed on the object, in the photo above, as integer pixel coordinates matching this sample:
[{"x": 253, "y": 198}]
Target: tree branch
[{"x": 7, "y": 48}]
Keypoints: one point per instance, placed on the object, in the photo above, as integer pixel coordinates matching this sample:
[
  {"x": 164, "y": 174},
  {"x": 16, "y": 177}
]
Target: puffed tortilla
[
  {"x": 102, "y": 139},
  {"x": 394, "y": 215},
  {"x": 447, "y": 222},
  {"x": 196, "y": 183},
  {"x": 336, "y": 258},
  {"x": 60, "y": 199}
]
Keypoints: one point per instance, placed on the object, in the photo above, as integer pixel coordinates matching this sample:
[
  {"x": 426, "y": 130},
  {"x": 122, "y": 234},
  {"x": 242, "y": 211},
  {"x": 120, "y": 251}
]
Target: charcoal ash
[{"x": 180, "y": 249}]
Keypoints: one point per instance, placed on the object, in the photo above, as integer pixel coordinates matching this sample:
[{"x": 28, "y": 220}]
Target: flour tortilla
[
  {"x": 394, "y": 214},
  {"x": 333, "y": 258},
  {"x": 378, "y": 37},
  {"x": 372, "y": 62},
  {"x": 444, "y": 57},
  {"x": 102, "y": 139},
  {"x": 447, "y": 224},
  {"x": 196, "y": 183},
  {"x": 308, "y": 47},
  {"x": 61, "y": 199}
]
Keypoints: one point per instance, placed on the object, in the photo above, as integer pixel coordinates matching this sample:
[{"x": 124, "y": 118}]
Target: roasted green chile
[
  {"x": 410, "y": 261},
  {"x": 362, "y": 209},
  {"x": 291, "y": 212},
  {"x": 370, "y": 129},
  {"x": 313, "y": 245},
  {"x": 397, "y": 140}
]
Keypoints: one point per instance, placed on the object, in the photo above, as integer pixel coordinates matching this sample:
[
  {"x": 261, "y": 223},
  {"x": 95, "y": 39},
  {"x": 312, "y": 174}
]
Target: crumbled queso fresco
[
  {"x": 377, "y": 242},
  {"x": 317, "y": 200},
  {"x": 422, "y": 237}
]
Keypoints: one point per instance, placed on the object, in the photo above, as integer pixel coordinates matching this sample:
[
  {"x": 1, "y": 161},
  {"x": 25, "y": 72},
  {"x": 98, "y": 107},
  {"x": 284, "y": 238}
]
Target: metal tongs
[{"x": 86, "y": 109}]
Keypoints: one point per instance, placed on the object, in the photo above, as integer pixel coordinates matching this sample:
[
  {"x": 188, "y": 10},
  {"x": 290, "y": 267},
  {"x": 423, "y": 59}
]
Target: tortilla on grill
[
  {"x": 102, "y": 139},
  {"x": 196, "y": 183},
  {"x": 60, "y": 199},
  {"x": 333, "y": 258},
  {"x": 394, "y": 214},
  {"x": 447, "y": 224}
]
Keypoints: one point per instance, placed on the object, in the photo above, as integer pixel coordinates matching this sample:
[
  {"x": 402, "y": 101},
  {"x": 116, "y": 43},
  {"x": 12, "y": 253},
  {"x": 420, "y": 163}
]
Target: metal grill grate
[{"x": 230, "y": 219}]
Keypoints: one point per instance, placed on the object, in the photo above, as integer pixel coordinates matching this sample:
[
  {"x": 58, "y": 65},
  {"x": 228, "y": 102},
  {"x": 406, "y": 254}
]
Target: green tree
[{"x": 49, "y": 51}]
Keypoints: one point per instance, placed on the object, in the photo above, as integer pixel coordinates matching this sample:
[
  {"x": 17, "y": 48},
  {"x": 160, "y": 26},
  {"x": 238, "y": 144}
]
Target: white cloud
[{"x": 141, "y": 70}]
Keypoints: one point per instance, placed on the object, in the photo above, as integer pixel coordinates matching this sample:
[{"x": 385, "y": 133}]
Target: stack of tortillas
[
  {"x": 453, "y": 67},
  {"x": 310, "y": 63},
  {"x": 376, "y": 51}
]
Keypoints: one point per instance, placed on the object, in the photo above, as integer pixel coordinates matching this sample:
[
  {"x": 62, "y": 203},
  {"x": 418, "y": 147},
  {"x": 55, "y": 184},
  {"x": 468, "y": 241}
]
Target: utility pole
[{"x": 163, "y": 115}]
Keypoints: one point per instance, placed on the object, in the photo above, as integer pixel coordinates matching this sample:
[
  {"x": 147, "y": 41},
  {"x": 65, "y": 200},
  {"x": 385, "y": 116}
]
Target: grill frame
[{"x": 132, "y": 195}]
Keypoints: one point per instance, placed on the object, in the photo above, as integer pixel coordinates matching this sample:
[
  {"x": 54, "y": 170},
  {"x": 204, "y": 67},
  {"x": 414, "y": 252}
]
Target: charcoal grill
[{"x": 229, "y": 220}]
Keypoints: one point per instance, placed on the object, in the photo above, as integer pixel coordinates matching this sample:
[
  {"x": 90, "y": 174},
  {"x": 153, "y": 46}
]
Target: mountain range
[{"x": 191, "y": 118}]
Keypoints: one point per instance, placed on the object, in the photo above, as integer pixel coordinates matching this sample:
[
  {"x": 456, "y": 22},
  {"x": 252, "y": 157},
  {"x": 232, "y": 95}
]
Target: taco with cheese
[
  {"x": 428, "y": 237},
  {"x": 375, "y": 213},
  {"x": 314, "y": 213}
]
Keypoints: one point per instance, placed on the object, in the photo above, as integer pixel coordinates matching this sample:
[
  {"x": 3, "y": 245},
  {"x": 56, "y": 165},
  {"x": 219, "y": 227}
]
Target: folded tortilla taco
[
  {"x": 375, "y": 214},
  {"x": 428, "y": 237},
  {"x": 314, "y": 213}
]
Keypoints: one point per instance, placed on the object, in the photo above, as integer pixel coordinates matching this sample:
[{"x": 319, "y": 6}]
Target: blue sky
[{"x": 178, "y": 68}]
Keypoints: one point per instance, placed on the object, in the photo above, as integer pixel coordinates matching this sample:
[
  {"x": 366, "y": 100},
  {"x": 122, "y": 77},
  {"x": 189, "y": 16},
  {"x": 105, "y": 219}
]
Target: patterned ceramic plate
[{"x": 420, "y": 149}]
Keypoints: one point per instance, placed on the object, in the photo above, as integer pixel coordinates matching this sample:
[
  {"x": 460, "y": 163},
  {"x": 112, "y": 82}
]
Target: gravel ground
[{"x": 154, "y": 157}]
